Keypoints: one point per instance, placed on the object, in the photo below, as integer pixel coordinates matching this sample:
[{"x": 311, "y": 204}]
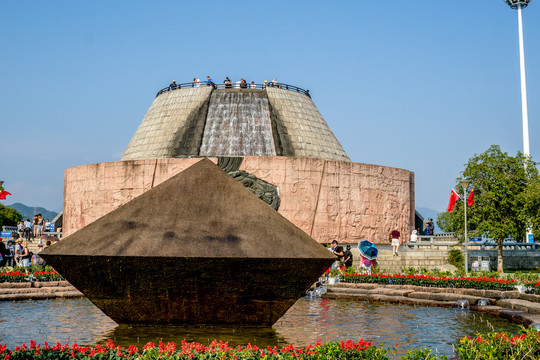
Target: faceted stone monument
[{"x": 199, "y": 248}]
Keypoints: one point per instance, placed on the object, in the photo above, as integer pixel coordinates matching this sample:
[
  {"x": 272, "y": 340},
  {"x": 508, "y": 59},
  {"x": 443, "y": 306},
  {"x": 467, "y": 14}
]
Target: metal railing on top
[{"x": 234, "y": 86}]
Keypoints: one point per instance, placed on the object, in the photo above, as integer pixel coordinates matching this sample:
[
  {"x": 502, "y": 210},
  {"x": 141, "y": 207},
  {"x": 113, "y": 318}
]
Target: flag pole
[{"x": 464, "y": 184}]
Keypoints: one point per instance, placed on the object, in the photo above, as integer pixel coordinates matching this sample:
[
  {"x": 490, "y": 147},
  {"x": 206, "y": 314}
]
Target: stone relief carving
[{"x": 262, "y": 189}]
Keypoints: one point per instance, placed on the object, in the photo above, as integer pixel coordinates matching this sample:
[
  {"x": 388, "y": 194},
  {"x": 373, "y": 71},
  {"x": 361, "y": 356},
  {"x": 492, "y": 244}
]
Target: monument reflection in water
[{"x": 197, "y": 249}]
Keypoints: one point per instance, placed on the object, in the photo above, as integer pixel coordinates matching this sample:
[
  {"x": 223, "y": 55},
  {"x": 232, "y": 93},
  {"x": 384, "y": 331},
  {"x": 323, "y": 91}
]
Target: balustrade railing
[{"x": 234, "y": 86}]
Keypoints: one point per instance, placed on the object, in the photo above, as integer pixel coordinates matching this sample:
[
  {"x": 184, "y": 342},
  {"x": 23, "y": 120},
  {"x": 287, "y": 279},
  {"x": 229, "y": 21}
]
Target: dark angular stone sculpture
[{"x": 197, "y": 249}]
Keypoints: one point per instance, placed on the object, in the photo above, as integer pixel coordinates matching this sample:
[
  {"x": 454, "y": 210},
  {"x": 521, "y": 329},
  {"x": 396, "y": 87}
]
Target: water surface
[{"x": 78, "y": 320}]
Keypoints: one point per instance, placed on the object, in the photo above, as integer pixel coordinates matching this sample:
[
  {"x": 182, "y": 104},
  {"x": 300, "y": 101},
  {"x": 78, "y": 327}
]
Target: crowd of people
[
  {"x": 34, "y": 229},
  {"x": 345, "y": 257},
  {"x": 227, "y": 84},
  {"x": 16, "y": 252}
]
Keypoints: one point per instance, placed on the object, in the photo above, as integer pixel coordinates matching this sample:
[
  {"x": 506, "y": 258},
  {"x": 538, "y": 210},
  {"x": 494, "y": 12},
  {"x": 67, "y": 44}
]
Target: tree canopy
[
  {"x": 506, "y": 197},
  {"x": 9, "y": 216}
]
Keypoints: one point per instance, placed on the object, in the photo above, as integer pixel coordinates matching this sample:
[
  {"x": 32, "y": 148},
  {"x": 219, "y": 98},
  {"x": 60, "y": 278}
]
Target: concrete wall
[
  {"x": 301, "y": 128},
  {"x": 512, "y": 259},
  {"x": 327, "y": 199},
  {"x": 173, "y": 125}
]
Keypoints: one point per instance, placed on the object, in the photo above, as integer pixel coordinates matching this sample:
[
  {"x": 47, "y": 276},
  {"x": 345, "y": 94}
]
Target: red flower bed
[
  {"x": 426, "y": 280},
  {"x": 23, "y": 276},
  {"x": 217, "y": 349}
]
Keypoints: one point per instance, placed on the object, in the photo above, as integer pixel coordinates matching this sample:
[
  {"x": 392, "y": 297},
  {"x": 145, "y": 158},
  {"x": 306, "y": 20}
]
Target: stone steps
[{"x": 38, "y": 291}]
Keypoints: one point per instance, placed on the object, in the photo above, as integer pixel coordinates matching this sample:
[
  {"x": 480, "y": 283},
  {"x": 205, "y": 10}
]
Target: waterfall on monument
[{"x": 238, "y": 123}]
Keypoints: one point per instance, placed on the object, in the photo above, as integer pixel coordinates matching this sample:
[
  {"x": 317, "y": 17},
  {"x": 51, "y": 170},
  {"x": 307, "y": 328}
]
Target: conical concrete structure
[
  {"x": 197, "y": 249},
  {"x": 201, "y": 121}
]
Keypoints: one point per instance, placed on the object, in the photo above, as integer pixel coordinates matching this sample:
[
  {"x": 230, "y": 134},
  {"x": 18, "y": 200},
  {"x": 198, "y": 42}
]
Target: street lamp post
[
  {"x": 522, "y": 4},
  {"x": 464, "y": 183}
]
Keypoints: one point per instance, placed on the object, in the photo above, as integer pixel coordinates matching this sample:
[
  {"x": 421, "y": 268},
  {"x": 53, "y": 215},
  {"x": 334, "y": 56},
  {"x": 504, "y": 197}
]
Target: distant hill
[
  {"x": 29, "y": 212},
  {"x": 431, "y": 214}
]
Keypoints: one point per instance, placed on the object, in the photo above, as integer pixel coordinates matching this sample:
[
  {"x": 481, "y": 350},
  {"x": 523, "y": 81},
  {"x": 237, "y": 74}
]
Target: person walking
[
  {"x": 395, "y": 242},
  {"x": 41, "y": 223},
  {"x": 338, "y": 251},
  {"x": 27, "y": 229},
  {"x": 20, "y": 228},
  {"x": 35, "y": 226},
  {"x": 348, "y": 257}
]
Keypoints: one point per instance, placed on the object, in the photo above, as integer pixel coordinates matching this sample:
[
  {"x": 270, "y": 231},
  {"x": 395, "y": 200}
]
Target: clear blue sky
[{"x": 419, "y": 85}]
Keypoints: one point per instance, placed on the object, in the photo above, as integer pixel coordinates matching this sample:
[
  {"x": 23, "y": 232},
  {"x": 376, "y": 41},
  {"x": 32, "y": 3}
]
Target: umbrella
[{"x": 368, "y": 250}]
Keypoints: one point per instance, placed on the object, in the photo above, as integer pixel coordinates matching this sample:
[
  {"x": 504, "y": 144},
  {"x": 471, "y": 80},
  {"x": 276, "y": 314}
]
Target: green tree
[
  {"x": 500, "y": 183},
  {"x": 531, "y": 213},
  {"x": 9, "y": 216}
]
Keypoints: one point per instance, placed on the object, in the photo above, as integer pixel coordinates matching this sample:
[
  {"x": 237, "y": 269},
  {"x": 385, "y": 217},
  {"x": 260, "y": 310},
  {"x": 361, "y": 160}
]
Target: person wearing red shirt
[{"x": 395, "y": 242}]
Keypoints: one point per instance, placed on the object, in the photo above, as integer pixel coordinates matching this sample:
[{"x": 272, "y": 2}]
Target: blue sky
[{"x": 419, "y": 85}]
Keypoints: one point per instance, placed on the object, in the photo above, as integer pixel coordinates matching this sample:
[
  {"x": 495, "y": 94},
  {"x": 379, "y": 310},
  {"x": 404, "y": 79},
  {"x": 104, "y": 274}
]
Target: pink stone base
[{"x": 329, "y": 200}]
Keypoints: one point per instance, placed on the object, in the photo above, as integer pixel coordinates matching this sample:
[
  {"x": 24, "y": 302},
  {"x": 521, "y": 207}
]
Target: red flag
[
  {"x": 470, "y": 199},
  {"x": 453, "y": 198},
  {"x": 4, "y": 194}
]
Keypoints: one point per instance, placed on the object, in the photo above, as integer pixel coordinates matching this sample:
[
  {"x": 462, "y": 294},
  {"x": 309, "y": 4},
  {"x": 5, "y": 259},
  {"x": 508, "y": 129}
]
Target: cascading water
[{"x": 238, "y": 123}]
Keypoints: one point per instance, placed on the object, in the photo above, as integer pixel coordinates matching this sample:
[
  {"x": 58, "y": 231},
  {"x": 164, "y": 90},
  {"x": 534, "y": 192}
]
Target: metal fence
[{"x": 234, "y": 86}]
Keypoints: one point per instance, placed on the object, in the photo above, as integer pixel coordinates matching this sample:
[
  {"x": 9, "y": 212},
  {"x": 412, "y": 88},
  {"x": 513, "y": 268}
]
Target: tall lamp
[
  {"x": 521, "y": 4},
  {"x": 518, "y": 5},
  {"x": 464, "y": 183}
]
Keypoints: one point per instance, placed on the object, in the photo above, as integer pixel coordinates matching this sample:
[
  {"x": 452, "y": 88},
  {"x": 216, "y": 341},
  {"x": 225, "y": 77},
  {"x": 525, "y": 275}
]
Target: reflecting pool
[{"x": 78, "y": 320}]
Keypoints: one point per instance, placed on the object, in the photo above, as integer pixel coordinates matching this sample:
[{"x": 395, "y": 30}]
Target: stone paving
[{"x": 517, "y": 307}]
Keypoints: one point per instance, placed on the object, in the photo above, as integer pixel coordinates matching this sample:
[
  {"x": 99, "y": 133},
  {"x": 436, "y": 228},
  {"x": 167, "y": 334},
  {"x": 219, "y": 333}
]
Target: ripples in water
[{"x": 78, "y": 320}]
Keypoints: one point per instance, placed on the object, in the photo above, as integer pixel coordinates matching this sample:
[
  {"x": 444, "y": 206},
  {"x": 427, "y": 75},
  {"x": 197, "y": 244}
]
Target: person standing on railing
[
  {"x": 197, "y": 82},
  {"x": 227, "y": 83},
  {"x": 431, "y": 227},
  {"x": 173, "y": 85}
]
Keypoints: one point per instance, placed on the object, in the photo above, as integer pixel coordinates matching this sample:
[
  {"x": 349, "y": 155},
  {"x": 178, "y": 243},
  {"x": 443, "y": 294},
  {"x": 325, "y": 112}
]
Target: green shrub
[{"x": 455, "y": 257}]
